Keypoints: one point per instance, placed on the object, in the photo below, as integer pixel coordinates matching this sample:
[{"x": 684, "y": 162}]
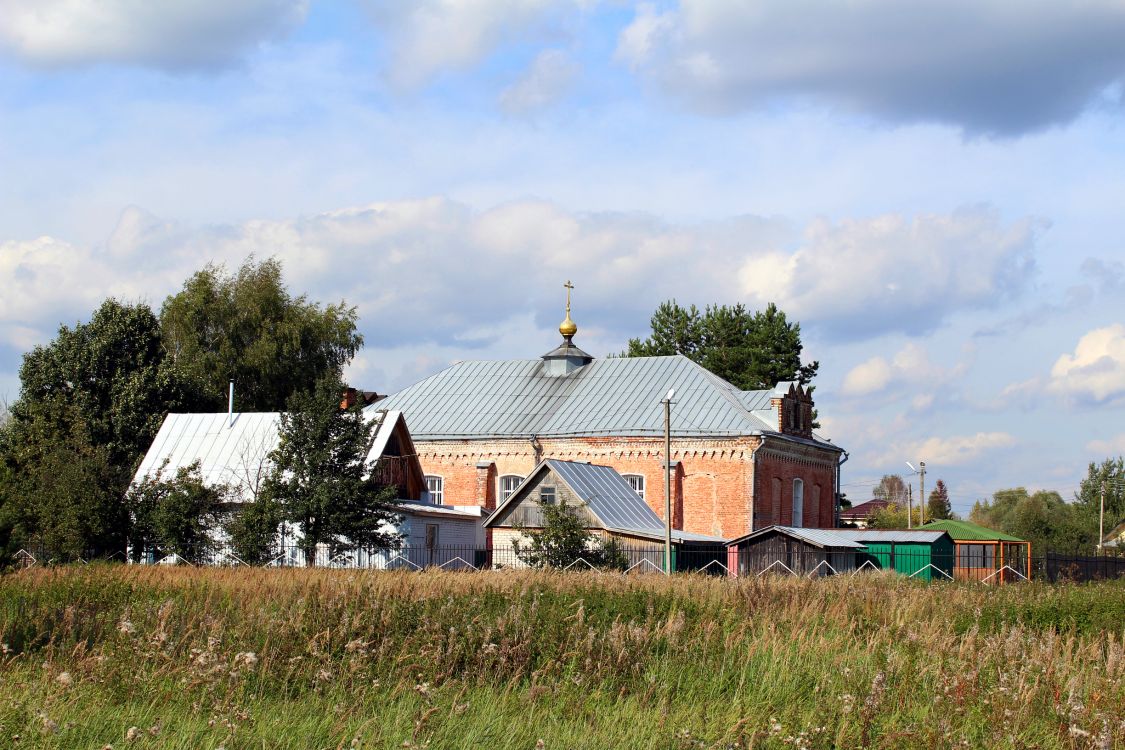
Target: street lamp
[
  {"x": 921, "y": 472},
  {"x": 668, "y": 481}
]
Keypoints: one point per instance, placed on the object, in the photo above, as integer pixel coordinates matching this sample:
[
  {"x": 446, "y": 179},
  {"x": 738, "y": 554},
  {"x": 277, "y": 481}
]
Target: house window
[
  {"x": 508, "y": 484},
  {"x": 798, "y": 503},
  {"x": 637, "y": 482},
  {"x": 436, "y": 487},
  {"x": 546, "y": 495}
]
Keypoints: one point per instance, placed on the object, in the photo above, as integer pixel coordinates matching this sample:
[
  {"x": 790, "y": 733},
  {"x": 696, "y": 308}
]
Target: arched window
[
  {"x": 798, "y": 503},
  {"x": 435, "y": 485},
  {"x": 637, "y": 482},
  {"x": 508, "y": 484}
]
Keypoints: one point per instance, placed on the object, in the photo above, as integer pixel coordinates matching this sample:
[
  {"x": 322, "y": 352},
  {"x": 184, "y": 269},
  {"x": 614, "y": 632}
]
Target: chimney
[
  {"x": 348, "y": 399},
  {"x": 230, "y": 407}
]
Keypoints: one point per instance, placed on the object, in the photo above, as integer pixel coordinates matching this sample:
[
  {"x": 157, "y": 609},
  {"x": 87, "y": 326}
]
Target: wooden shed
[
  {"x": 797, "y": 551},
  {"x": 983, "y": 554}
]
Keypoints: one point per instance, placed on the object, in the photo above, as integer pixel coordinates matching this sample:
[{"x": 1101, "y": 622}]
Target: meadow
[{"x": 147, "y": 657}]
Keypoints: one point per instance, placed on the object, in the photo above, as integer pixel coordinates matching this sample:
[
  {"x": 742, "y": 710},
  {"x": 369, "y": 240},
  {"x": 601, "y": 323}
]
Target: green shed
[{"x": 927, "y": 555}]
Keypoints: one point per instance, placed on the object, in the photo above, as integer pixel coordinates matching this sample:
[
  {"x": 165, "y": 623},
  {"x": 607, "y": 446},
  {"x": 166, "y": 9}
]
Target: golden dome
[{"x": 567, "y": 327}]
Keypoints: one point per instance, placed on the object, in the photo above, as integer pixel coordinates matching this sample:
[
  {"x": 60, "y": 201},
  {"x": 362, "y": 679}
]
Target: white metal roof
[
  {"x": 889, "y": 535},
  {"x": 816, "y": 537},
  {"x": 233, "y": 452},
  {"x": 614, "y": 396}
]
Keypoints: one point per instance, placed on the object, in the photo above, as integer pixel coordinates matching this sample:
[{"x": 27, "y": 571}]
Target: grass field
[{"x": 134, "y": 657}]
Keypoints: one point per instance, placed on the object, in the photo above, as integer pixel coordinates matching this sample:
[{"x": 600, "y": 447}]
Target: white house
[{"x": 233, "y": 449}]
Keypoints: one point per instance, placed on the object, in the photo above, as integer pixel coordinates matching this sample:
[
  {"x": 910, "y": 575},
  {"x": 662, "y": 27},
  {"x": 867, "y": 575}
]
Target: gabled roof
[
  {"x": 963, "y": 531},
  {"x": 821, "y": 538},
  {"x": 607, "y": 494},
  {"x": 234, "y": 449},
  {"x": 614, "y": 396}
]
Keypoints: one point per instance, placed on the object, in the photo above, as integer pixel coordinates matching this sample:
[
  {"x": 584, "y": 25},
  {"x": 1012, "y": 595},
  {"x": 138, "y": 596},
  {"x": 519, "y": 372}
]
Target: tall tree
[
  {"x": 939, "y": 506},
  {"x": 321, "y": 480},
  {"x": 247, "y": 327},
  {"x": 752, "y": 350},
  {"x": 112, "y": 374},
  {"x": 1108, "y": 476},
  {"x": 892, "y": 488}
]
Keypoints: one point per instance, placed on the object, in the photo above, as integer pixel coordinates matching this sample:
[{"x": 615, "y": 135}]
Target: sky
[{"x": 935, "y": 190}]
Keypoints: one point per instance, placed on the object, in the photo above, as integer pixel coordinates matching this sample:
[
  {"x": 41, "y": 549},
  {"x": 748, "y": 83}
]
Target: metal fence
[{"x": 712, "y": 560}]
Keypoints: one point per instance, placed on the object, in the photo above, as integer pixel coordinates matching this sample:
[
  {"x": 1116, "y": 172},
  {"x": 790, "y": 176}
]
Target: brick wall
[{"x": 712, "y": 488}]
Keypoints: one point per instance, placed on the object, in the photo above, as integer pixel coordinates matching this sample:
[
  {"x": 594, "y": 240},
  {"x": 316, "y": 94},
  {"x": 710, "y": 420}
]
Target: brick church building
[{"x": 741, "y": 460}]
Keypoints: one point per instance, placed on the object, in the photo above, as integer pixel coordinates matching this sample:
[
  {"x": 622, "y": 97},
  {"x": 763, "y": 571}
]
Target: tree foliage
[
  {"x": 752, "y": 350},
  {"x": 254, "y": 530},
  {"x": 894, "y": 516},
  {"x": 563, "y": 540},
  {"x": 246, "y": 327},
  {"x": 938, "y": 507},
  {"x": 321, "y": 480},
  {"x": 1042, "y": 518},
  {"x": 174, "y": 514}
]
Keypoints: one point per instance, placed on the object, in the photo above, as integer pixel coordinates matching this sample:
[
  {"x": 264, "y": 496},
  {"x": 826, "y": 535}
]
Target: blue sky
[{"x": 934, "y": 189}]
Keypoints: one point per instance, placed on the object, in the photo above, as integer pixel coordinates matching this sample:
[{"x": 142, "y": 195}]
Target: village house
[
  {"x": 740, "y": 460},
  {"x": 233, "y": 451}
]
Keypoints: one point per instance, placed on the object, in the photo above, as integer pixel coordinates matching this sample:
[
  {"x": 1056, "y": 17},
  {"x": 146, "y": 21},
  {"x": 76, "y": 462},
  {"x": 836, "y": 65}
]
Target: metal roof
[
  {"x": 815, "y": 537},
  {"x": 614, "y": 396},
  {"x": 232, "y": 451},
  {"x": 889, "y": 535},
  {"x": 611, "y": 499},
  {"x": 964, "y": 531}
]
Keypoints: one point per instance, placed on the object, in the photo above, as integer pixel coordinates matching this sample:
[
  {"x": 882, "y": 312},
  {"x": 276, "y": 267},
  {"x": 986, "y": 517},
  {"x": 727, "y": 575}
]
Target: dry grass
[{"x": 189, "y": 658}]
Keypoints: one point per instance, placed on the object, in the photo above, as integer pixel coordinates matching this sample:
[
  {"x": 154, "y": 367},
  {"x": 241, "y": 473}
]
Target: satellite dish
[{"x": 912, "y": 467}]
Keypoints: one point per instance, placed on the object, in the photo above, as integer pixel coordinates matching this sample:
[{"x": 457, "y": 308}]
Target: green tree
[
  {"x": 321, "y": 479},
  {"x": 112, "y": 374},
  {"x": 751, "y": 350},
  {"x": 59, "y": 491},
  {"x": 177, "y": 514},
  {"x": 247, "y": 327},
  {"x": 1110, "y": 476},
  {"x": 563, "y": 540},
  {"x": 254, "y": 530},
  {"x": 1042, "y": 518},
  {"x": 893, "y": 516},
  {"x": 939, "y": 506}
]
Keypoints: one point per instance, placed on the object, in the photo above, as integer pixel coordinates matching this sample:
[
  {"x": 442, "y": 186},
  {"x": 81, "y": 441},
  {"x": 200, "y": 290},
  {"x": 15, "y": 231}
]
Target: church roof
[{"x": 613, "y": 396}]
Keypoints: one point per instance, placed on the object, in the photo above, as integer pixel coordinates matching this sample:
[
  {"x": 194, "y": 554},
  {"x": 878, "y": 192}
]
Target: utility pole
[
  {"x": 909, "y": 506},
  {"x": 1101, "y": 519},
  {"x": 922, "y": 492},
  {"x": 668, "y": 482}
]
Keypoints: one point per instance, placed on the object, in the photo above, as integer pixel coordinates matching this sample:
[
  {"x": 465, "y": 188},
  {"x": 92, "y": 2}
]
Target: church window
[
  {"x": 435, "y": 485},
  {"x": 798, "y": 503},
  {"x": 508, "y": 484},
  {"x": 637, "y": 482}
]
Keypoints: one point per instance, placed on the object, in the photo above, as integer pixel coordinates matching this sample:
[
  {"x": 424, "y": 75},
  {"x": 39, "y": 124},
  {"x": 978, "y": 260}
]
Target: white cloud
[
  {"x": 1095, "y": 372},
  {"x": 894, "y": 273},
  {"x": 547, "y": 79},
  {"x": 957, "y": 450},
  {"x": 988, "y": 66},
  {"x": 428, "y": 37},
  {"x": 1114, "y": 446},
  {"x": 170, "y": 34},
  {"x": 911, "y": 367}
]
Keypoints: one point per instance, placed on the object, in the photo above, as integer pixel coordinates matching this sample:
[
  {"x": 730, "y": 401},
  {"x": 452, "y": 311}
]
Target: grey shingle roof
[{"x": 615, "y": 396}]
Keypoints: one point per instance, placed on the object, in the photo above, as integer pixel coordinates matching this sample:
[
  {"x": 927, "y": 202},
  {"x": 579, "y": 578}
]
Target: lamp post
[
  {"x": 921, "y": 472},
  {"x": 668, "y": 481}
]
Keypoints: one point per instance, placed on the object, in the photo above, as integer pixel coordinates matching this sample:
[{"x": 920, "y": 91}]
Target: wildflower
[
  {"x": 126, "y": 628},
  {"x": 1076, "y": 731},
  {"x": 64, "y": 679},
  {"x": 133, "y": 734},
  {"x": 246, "y": 658},
  {"x": 50, "y": 726},
  {"x": 323, "y": 675},
  {"x": 540, "y": 744},
  {"x": 355, "y": 645},
  {"x": 423, "y": 689},
  {"x": 5, "y": 649}
]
